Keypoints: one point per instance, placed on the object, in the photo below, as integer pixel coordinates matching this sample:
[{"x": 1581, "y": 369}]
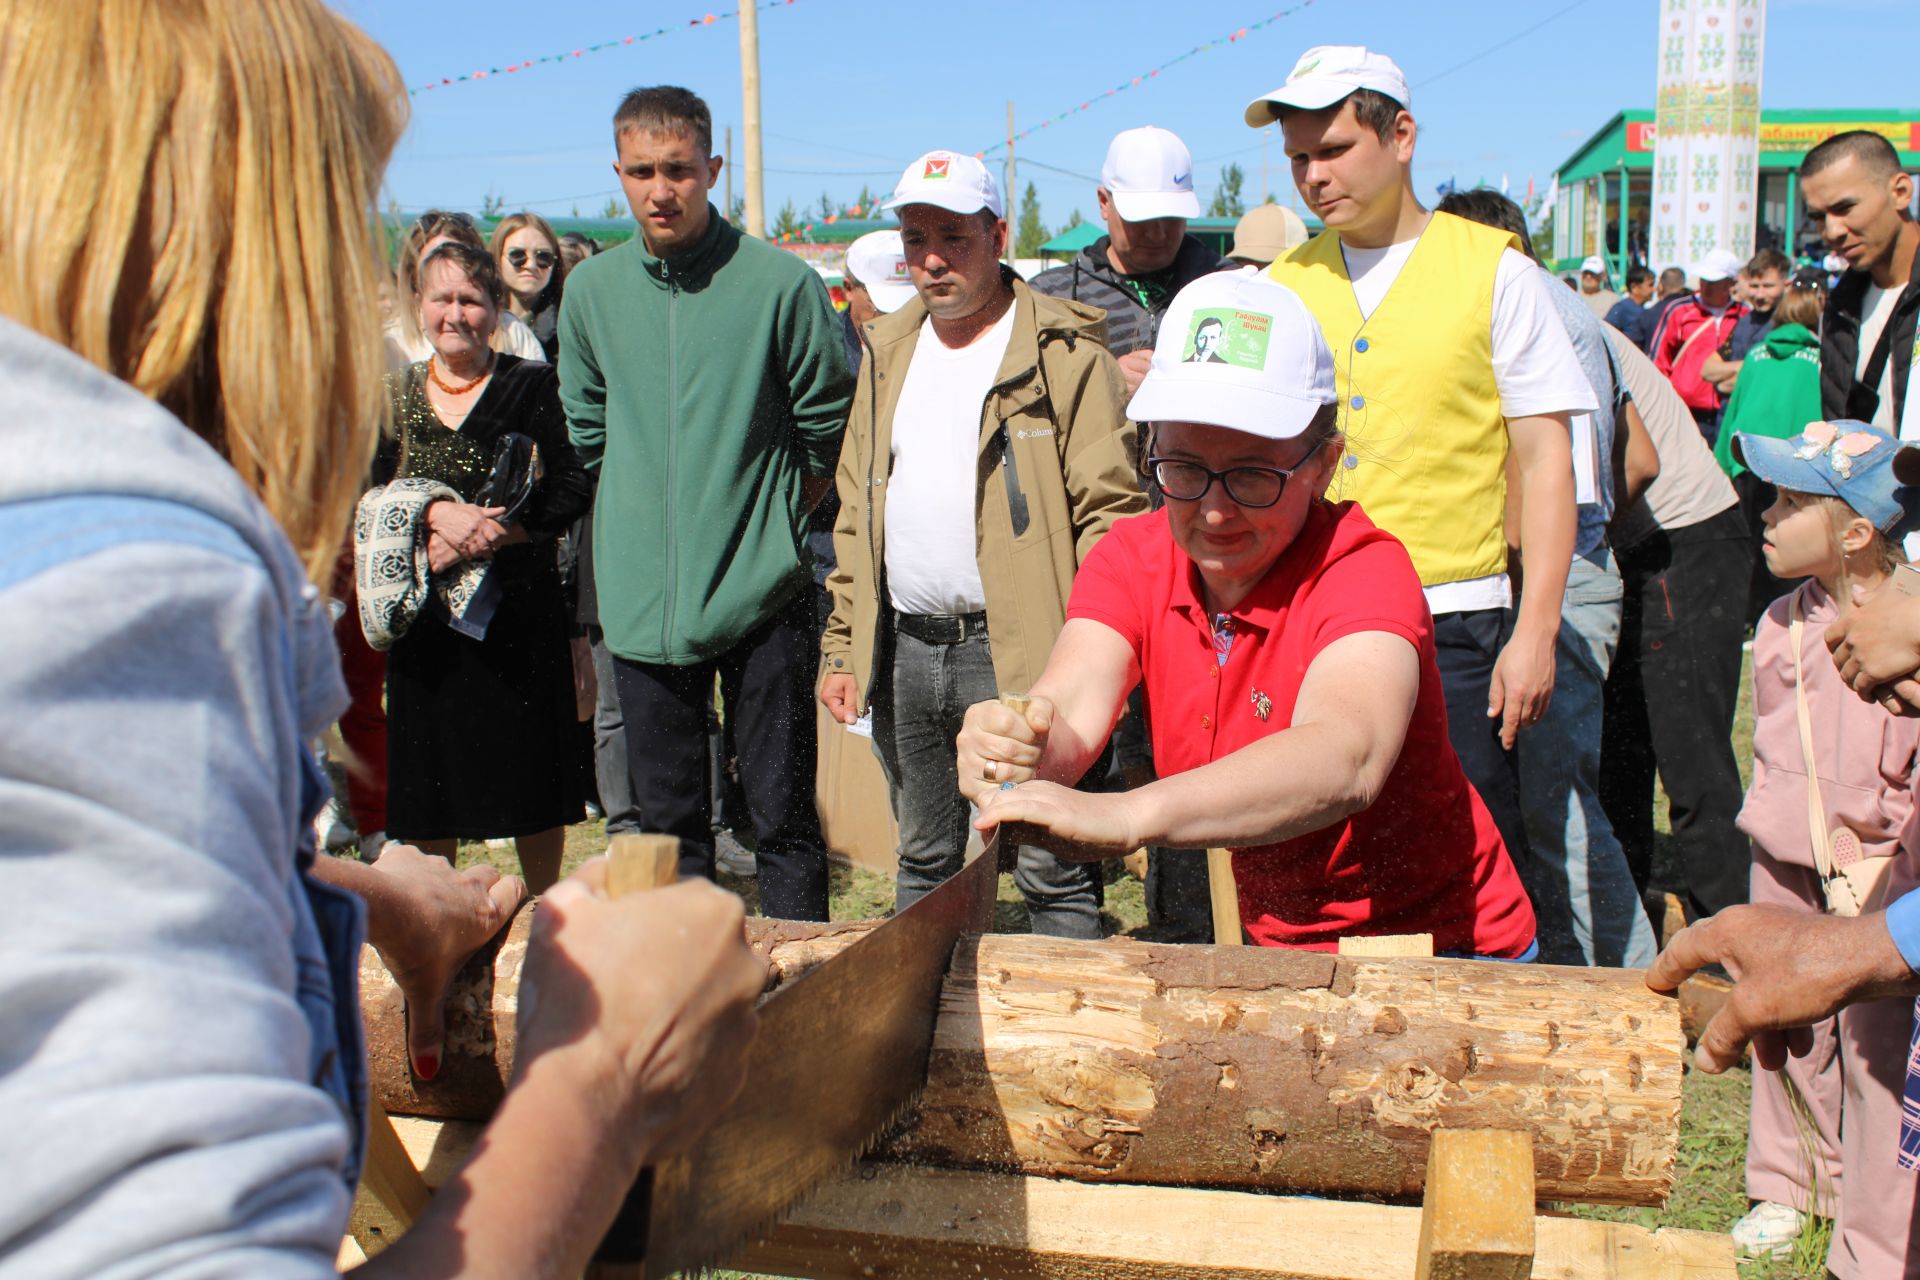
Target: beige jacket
[{"x": 1059, "y": 405}]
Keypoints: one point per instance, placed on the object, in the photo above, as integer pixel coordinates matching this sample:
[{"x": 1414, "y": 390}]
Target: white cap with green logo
[{"x": 1237, "y": 350}]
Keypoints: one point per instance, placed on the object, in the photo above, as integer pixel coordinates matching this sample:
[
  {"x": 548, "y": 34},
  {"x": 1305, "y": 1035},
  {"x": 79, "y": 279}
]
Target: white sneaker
[
  {"x": 1768, "y": 1230},
  {"x": 732, "y": 857},
  {"x": 371, "y": 845},
  {"x": 331, "y": 827}
]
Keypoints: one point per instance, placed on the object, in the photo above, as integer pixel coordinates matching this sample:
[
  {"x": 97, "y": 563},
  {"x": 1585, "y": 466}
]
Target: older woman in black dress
[{"x": 481, "y": 732}]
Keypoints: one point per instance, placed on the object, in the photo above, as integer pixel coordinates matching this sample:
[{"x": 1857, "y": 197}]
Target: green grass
[{"x": 1709, "y": 1193}]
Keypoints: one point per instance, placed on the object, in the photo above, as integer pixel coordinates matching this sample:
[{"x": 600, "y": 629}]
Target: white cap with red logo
[
  {"x": 1149, "y": 174},
  {"x": 1324, "y": 75},
  {"x": 879, "y": 262},
  {"x": 948, "y": 180}
]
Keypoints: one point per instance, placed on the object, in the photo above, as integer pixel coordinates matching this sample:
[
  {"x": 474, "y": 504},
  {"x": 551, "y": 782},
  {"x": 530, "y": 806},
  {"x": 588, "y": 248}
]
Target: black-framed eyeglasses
[
  {"x": 1185, "y": 481},
  {"x": 542, "y": 258}
]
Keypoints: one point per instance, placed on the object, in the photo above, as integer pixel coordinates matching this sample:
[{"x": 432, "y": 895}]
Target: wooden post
[
  {"x": 1013, "y": 189},
  {"x": 392, "y": 1193},
  {"x": 642, "y": 862},
  {"x": 1476, "y": 1221},
  {"x": 1226, "y": 898},
  {"x": 750, "y": 115},
  {"x": 726, "y": 169}
]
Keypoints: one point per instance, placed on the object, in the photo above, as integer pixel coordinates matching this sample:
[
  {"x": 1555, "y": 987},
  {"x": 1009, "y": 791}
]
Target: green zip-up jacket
[
  {"x": 703, "y": 388},
  {"x": 1778, "y": 393}
]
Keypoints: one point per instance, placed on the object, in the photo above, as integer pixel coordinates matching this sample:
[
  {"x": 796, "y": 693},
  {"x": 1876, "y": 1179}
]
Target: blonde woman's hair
[{"x": 187, "y": 188}]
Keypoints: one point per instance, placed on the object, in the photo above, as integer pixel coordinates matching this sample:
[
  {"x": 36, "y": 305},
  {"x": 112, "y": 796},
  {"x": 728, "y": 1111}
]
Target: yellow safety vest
[{"x": 1426, "y": 441}]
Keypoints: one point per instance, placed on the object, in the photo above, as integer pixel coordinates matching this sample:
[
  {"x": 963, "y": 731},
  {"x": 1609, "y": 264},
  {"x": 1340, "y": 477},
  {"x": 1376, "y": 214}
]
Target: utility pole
[
  {"x": 1013, "y": 191},
  {"x": 726, "y": 210},
  {"x": 750, "y": 114}
]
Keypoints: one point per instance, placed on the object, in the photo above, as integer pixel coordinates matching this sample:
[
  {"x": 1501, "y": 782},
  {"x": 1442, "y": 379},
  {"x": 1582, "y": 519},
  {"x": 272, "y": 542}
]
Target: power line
[{"x": 1495, "y": 48}]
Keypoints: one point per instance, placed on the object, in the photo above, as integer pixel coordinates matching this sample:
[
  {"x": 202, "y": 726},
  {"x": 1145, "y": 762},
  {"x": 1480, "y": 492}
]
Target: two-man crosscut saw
[{"x": 842, "y": 1051}]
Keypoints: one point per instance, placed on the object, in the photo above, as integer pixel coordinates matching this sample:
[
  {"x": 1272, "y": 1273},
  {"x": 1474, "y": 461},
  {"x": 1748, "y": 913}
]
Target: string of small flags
[
  {"x": 705, "y": 20},
  {"x": 1134, "y": 83}
]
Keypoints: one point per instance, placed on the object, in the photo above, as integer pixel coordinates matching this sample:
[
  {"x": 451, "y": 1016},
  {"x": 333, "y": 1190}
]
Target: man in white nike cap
[
  {"x": 1450, "y": 357},
  {"x": 1132, "y": 273},
  {"x": 1279, "y": 636},
  {"x": 1145, "y": 196},
  {"x": 987, "y": 452}
]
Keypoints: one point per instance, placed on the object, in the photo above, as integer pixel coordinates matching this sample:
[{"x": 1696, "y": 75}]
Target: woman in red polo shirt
[{"x": 1289, "y": 664}]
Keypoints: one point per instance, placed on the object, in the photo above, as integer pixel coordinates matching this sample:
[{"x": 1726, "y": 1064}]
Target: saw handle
[
  {"x": 636, "y": 864},
  {"x": 1009, "y": 850}
]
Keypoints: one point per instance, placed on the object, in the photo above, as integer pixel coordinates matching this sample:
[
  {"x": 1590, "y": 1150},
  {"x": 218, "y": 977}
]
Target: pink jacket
[{"x": 1866, "y": 755}]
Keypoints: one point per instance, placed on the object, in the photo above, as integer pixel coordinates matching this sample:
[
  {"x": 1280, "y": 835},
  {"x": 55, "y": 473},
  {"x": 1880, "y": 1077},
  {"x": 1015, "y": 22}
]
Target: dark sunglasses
[
  {"x": 542, "y": 258},
  {"x": 1185, "y": 481},
  {"x": 433, "y": 219}
]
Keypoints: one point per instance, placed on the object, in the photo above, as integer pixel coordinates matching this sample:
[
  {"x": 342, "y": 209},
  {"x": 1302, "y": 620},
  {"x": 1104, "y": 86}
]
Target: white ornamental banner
[{"x": 1706, "y": 149}]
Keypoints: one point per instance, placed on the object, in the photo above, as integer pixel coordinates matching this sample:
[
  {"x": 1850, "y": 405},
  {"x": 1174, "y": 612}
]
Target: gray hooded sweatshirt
[{"x": 158, "y": 1111}]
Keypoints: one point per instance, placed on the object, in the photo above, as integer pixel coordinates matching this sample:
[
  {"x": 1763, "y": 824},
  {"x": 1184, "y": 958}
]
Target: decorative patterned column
[{"x": 1706, "y": 146}]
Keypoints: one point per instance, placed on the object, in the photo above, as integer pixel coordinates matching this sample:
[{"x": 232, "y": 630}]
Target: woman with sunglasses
[
  {"x": 1288, "y": 659},
  {"x": 535, "y": 270}
]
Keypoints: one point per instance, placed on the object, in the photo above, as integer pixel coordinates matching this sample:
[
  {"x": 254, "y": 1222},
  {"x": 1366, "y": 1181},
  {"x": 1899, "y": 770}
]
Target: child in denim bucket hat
[{"x": 1829, "y": 813}]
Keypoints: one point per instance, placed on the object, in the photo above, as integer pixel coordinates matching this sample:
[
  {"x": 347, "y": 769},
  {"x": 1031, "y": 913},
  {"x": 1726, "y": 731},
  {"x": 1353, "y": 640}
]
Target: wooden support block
[
  {"x": 642, "y": 862},
  {"x": 883, "y": 1221},
  {"x": 1476, "y": 1221},
  {"x": 1389, "y": 944},
  {"x": 392, "y": 1193},
  {"x": 1225, "y": 896}
]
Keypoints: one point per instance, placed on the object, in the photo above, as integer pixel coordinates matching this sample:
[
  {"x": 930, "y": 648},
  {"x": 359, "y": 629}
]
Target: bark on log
[
  {"x": 484, "y": 1002},
  {"x": 1248, "y": 1067}
]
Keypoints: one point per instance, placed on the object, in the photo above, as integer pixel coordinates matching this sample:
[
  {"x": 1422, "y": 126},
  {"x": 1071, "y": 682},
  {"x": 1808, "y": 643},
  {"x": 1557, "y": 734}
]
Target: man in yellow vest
[{"x": 1454, "y": 373}]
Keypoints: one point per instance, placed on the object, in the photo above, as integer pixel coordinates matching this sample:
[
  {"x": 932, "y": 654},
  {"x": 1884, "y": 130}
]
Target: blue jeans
[
  {"x": 1583, "y": 892},
  {"x": 916, "y": 718}
]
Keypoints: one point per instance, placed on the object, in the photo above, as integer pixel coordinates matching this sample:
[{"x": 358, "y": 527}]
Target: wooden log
[
  {"x": 1251, "y": 1067},
  {"x": 884, "y": 1221},
  {"x": 484, "y": 1003}
]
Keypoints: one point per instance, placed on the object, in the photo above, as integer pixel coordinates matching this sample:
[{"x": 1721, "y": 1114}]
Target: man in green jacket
[
  {"x": 987, "y": 453},
  {"x": 704, "y": 378}
]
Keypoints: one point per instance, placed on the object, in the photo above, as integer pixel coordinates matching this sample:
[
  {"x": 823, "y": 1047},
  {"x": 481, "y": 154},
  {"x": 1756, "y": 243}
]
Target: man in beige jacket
[{"x": 987, "y": 452}]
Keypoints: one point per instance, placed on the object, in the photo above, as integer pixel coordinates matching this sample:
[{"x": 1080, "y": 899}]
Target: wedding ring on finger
[{"x": 992, "y": 771}]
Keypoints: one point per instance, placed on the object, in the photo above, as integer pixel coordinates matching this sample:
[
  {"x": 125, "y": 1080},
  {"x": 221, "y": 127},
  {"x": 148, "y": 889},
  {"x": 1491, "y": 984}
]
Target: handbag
[
  {"x": 517, "y": 470},
  {"x": 1853, "y": 883}
]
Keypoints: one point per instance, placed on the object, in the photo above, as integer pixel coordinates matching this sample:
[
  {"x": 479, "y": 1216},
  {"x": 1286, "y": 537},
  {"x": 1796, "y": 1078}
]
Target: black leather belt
[{"x": 941, "y": 628}]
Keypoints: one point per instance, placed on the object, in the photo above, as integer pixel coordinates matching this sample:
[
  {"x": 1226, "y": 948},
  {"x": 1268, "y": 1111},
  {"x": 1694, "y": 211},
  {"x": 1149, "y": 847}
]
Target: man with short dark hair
[
  {"x": 987, "y": 453},
  {"x": 1451, "y": 362},
  {"x": 1672, "y": 288},
  {"x": 1766, "y": 276},
  {"x": 703, "y": 377},
  {"x": 1629, "y": 315},
  {"x": 1856, "y": 190}
]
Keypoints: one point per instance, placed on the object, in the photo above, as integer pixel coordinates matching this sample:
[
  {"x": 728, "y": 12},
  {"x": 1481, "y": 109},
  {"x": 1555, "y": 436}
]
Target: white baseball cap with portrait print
[
  {"x": 948, "y": 180},
  {"x": 1238, "y": 350},
  {"x": 1324, "y": 75}
]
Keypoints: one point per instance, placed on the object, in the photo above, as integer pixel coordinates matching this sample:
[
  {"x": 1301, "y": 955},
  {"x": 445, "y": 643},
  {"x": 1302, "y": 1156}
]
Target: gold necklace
[{"x": 459, "y": 391}]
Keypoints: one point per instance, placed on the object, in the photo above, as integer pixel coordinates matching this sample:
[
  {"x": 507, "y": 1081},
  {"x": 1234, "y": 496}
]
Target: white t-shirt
[
  {"x": 932, "y": 563},
  {"x": 1875, "y": 310},
  {"x": 1534, "y": 367}
]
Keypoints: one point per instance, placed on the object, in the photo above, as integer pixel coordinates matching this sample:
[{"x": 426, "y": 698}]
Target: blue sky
[{"x": 854, "y": 89}]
